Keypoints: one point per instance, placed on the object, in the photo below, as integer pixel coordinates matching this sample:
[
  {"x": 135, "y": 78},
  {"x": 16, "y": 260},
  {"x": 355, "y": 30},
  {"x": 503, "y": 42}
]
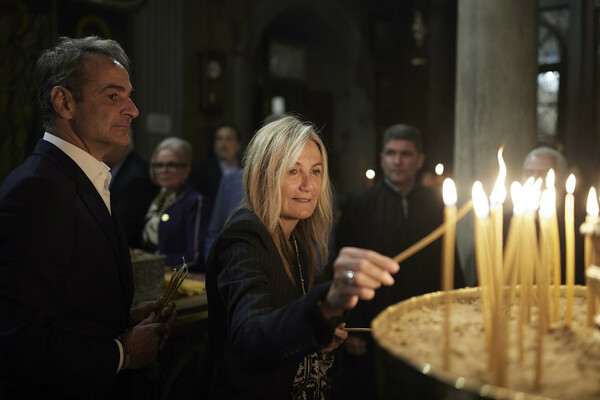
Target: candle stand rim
[{"x": 451, "y": 379}]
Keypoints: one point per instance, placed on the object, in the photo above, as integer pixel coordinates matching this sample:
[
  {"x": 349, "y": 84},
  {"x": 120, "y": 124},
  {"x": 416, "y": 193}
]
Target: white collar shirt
[{"x": 97, "y": 172}]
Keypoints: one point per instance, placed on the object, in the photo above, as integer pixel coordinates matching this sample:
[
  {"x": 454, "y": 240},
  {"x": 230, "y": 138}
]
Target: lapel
[{"x": 94, "y": 203}]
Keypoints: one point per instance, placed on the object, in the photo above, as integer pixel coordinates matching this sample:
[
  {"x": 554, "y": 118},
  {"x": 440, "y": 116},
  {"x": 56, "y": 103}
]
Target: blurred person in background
[
  {"x": 177, "y": 219},
  {"x": 131, "y": 190}
]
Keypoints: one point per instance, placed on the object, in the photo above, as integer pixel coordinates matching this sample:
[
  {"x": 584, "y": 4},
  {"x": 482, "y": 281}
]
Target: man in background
[
  {"x": 389, "y": 217},
  {"x": 206, "y": 175},
  {"x": 131, "y": 190},
  {"x": 537, "y": 163}
]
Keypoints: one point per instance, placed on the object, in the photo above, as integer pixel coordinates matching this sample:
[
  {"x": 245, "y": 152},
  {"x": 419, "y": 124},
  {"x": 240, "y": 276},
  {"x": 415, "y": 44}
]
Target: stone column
[{"x": 496, "y": 87}]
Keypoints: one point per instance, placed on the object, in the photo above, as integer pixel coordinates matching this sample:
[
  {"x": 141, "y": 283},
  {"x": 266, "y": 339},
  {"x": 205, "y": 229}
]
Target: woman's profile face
[
  {"x": 170, "y": 171},
  {"x": 301, "y": 188}
]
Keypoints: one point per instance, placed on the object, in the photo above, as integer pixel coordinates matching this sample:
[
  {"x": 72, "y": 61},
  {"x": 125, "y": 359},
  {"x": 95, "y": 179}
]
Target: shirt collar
[
  {"x": 90, "y": 166},
  {"x": 227, "y": 169},
  {"x": 395, "y": 188},
  {"x": 96, "y": 171}
]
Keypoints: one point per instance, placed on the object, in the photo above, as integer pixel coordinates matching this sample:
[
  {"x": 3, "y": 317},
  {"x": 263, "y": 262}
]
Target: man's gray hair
[
  {"x": 403, "y": 132},
  {"x": 64, "y": 66}
]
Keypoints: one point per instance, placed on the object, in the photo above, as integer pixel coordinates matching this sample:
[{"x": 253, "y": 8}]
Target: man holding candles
[
  {"x": 68, "y": 328},
  {"x": 389, "y": 217}
]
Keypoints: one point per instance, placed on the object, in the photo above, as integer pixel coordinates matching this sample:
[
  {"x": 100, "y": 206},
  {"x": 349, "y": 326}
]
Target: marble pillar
[{"x": 496, "y": 86}]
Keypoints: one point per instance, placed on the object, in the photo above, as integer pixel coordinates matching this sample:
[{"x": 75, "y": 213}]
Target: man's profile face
[
  {"x": 103, "y": 117},
  {"x": 227, "y": 145},
  {"x": 400, "y": 162}
]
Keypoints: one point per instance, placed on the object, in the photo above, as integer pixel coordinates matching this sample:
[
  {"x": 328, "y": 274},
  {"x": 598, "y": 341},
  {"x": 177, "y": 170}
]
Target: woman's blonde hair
[{"x": 271, "y": 153}]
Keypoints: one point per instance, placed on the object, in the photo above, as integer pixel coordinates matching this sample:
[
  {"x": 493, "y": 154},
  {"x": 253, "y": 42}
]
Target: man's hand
[
  {"x": 141, "y": 311},
  {"x": 142, "y": 342},
  {"x": 167, "y": 316},
  {"x": 339, "y": 335},
  {"x": 355, "y": 345}
]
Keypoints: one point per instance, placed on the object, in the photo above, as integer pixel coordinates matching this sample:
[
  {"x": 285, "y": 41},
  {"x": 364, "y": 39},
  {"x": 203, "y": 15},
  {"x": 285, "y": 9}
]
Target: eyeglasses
[{"x": 170, "y": 166}]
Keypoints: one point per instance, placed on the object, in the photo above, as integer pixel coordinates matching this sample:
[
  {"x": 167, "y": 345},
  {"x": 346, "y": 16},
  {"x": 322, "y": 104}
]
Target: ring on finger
[{"x": 349, "y": 277}]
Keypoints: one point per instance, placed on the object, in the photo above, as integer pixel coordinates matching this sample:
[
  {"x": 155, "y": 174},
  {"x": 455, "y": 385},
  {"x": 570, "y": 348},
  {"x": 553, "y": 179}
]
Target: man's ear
[
  {"x": 62, "y": 99},
  {"x": 421, "y": 160}
]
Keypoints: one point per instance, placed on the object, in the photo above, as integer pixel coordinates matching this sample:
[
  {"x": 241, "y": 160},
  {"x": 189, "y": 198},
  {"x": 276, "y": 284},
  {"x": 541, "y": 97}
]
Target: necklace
[{"x": 299, "y": 265}]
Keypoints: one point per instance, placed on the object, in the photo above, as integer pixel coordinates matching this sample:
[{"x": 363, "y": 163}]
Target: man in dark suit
[
  {"x": 389, "y": 217},
  {"x": 68, "y": 329},
  {"x": 131, "y": 191}
]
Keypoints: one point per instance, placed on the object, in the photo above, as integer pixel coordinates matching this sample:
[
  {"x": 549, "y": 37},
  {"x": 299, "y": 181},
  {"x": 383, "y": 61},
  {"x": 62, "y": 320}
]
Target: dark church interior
[{"x": 472, "y": 75}]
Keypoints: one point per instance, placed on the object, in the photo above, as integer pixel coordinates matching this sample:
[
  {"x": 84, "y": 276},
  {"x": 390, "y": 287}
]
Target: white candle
[
  {"x": 570, "y": 247},
  {"x": 449, "y": 193},
  {"x": 589, "y": 254}
]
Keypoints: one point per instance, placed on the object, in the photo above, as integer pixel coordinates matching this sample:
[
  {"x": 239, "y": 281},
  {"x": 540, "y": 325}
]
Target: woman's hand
[
  {"x": 339, "y": 335},
  {"x": 357, "y": 273}
]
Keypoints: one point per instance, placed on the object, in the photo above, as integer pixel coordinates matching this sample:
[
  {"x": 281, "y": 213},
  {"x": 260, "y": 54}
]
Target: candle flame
[
  {"x": 480, "y": 202},
  {"x": 550, "y": 178},
  {"x": 548, "y": 203},
  {"x": 531, "y": 194},
  {"x": 570, "y": 184},
  {"x": 499, "y": 192},
  {"x": 516, "y": 194},
  {"x": 592, "y": 203},
  {"x": 449, "y": 192}
]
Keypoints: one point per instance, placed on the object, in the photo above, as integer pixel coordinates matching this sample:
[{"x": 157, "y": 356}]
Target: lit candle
[
  {"x": 514, "y": 239},
  {"x": 547, "y": 210},
  {"x": 531, "y": 264},
  {"x": 530, "y": 258},
  {"x": 590, "y": 219},
  {"x": 484, "y": 262},
  {"x": 555, "y": 254},
  {"x": 497, "y": 198},
  {"x": 449, "y": 194},
  {"x": 570, "y": 247},
  {"x": 513, "y": 257}
]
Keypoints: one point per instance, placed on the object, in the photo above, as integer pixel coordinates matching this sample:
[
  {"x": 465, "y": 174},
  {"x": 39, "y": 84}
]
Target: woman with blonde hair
[{"x": 272, "y": 329}]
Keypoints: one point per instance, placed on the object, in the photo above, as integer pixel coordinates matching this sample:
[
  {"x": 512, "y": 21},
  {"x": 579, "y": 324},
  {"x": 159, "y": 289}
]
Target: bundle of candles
[
  {"x": 175, "y": 282},
  {"x": 528, "y": 264}
]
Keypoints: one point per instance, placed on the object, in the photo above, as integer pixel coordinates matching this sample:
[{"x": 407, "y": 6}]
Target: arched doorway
[{"x": 324, "y": 73}]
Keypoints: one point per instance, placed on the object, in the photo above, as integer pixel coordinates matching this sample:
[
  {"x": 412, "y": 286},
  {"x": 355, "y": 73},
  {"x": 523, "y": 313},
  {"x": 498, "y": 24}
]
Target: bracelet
[{"x": 125, "y": 352}]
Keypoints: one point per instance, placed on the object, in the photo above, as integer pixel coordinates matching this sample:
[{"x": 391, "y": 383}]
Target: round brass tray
[{"x": 454, "y": 385}]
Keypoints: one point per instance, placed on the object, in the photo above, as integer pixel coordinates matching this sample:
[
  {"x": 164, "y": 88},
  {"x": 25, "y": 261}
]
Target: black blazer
[
  {"x": 260, "y": 324},
  {"x": 131, "y": 193},
  {"x": 65, "y": 282},
  {"x": 373, "y": 220},
  {"x": 205, "y": 178}
]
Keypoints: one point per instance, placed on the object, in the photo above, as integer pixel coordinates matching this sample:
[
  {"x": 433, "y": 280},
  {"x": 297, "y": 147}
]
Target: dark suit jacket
[
  {"x": 182, "y": 234},
  {"x": 65, "y": 282},
  {"x": 205, "y": 178},
  {"x": 374, "y": 220},
  {"x": 131, "y": 193},
  {"x": 260, "y": 324}
]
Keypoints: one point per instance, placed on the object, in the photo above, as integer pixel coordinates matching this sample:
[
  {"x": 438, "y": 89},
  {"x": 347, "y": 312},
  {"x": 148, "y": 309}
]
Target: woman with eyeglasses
[{"x": 176, "y": 221}]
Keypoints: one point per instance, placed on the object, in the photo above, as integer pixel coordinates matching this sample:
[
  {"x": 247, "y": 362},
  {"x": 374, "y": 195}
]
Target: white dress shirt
[{"x": 96, "y": 171}]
